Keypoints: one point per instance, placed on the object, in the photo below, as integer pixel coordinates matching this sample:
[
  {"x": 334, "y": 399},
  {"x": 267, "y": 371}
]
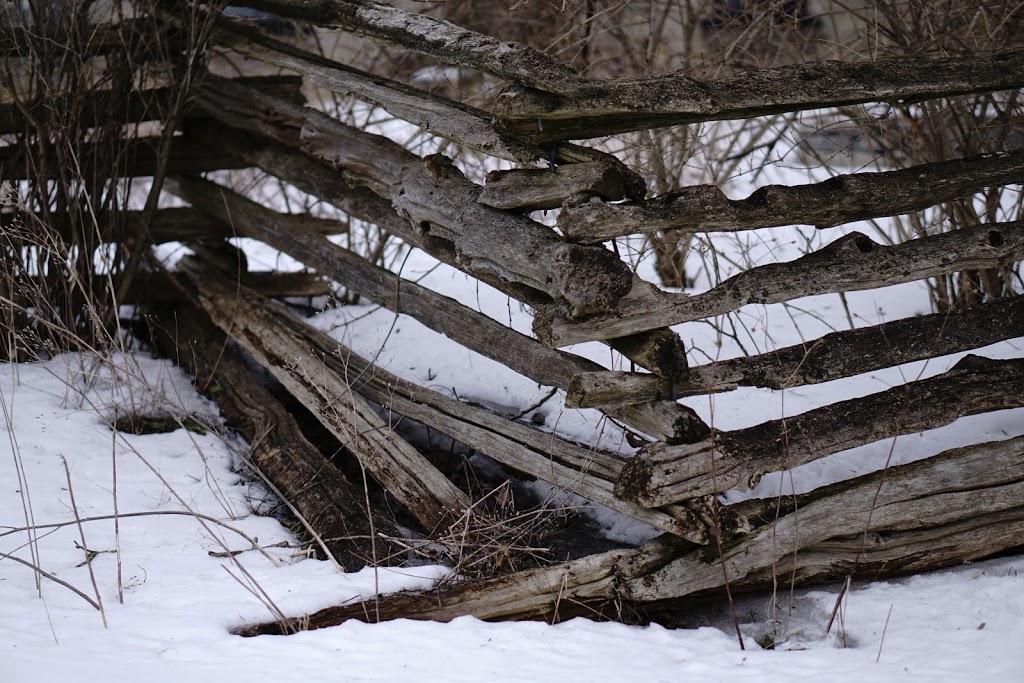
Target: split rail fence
[{"x": 959, "y": 505}]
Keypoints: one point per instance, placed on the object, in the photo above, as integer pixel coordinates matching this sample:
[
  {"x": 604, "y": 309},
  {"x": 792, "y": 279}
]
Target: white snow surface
[{"x": 964, "y": 624}]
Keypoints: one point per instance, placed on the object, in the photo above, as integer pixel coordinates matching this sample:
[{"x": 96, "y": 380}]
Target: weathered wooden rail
[{"x": 956, "y": 506}]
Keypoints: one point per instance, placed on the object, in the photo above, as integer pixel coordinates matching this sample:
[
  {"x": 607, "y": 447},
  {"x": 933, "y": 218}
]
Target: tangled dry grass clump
[{"x": 493, "y": 537}]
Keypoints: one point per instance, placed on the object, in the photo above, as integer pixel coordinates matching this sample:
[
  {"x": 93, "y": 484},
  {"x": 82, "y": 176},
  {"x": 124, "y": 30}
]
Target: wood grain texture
[
  {"x": 431, "y": 195},
  {"x": 852, "y": 262},
  {"x": 841, "y": 199},
  {"x": 661, "y": 475},
  {"x": 426, "y": 493},
  {"x": 335, "y": 509},
  {"x": 663, "y": 420}
]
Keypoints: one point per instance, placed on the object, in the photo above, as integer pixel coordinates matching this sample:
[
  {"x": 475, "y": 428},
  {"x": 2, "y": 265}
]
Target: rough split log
[
  {"x": 435, "y": 37},
  {"x": 661, "y": 351},
  {"x": 662, "y": 475},
  {"x": 570, "y": 589},
  {"x": 565, "y": 106},
  {"x": 611, "y": 388},
  {"x": 541, "y": 188},
  {"x": 584, "y": 471},
  {"x": 838, "y": 200},
  {"x": 843, "y": 354},
  {"x": 426, "y": 493},
  {"x": 598, "y": 108},
  {"x": 334, "y": 508},
  {"x": 833, "y": 356},
  {"x": 958, "y": 506},
  {"x": 853, "y": 262},
  {"x": 666, "y": 420},
  {"x": 437, "y": 115},
  {"x": 431, "y": 194}
]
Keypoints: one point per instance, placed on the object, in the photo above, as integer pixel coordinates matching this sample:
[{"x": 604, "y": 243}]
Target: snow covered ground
[{"x": 179, "y": 601}]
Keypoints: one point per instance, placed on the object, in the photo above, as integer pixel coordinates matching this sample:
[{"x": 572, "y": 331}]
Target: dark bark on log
[
  {"x": 541, "y": 188},
  {"x": 157, "y": 288},
  {"x": 853, "y": 262},
  {"x": 139, "y": 160},
  {"x": 432, "y": 195},
  {"x": 428, "y": 496},
  {"x": 174, "y": 225},
  {"x": 335, "y": 509},
  {"x": 961, "y": 505},
  {"x": 131, "y": 36},
  {"x": 666, "y": 420},
  {"x": 598, "y": 108},
  {"x": 147, "y": 105},
  {"x": 843, "y": 354},
  {"x": 831, "y": 357},
  {"x": 838, "y": 200},
  {"x": 663, "y": 475},
  {"x": 435, "y": 37}
]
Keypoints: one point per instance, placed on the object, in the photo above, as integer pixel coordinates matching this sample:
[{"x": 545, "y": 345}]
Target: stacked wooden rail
[{"x": 959, "y": 505}]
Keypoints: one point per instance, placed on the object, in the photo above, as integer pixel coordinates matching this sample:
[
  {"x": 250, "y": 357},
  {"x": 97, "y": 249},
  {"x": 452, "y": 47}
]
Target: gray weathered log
[
  {"x": 833, "y": 356},
  {"x": 334, "y": 508},
  {"x": 961, "y": 505},
  {"x": 426, "y": 493},
  {"x": 611, "y": 388},
  {"x": 851, "y": 352},
  {"x": 435, "y": 37},
  {"x": 437, "y": 115},
  {"x": 598, "y": 108},
  {"x": 575, "y": 108},
  {"x": 532, "y": 189},
  {"x": 584, "y": 471},
  {"x": 838, "y": 200},
  {"x": 432, "y": 195},
  {"x": 554, "y": 593},
  {"x": 665, "y": 420},
  {"x": 661, "y": 351},
  {"x": 662, "y": 475},
  {"x": 440, "y": 116},
  {"x": 853, "y": 262},
  {"x": 924, "y": 515}
]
